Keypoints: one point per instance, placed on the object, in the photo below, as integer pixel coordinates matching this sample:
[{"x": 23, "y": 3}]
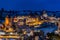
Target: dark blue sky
[{"x": 52, "y": 5}]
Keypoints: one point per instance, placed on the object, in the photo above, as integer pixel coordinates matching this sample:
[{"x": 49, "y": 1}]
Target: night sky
[{"x": 52, "y": 5}]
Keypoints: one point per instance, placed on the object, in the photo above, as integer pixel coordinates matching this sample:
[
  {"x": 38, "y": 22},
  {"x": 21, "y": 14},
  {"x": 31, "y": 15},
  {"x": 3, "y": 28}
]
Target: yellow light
[{"x": 6, "y": 21}]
